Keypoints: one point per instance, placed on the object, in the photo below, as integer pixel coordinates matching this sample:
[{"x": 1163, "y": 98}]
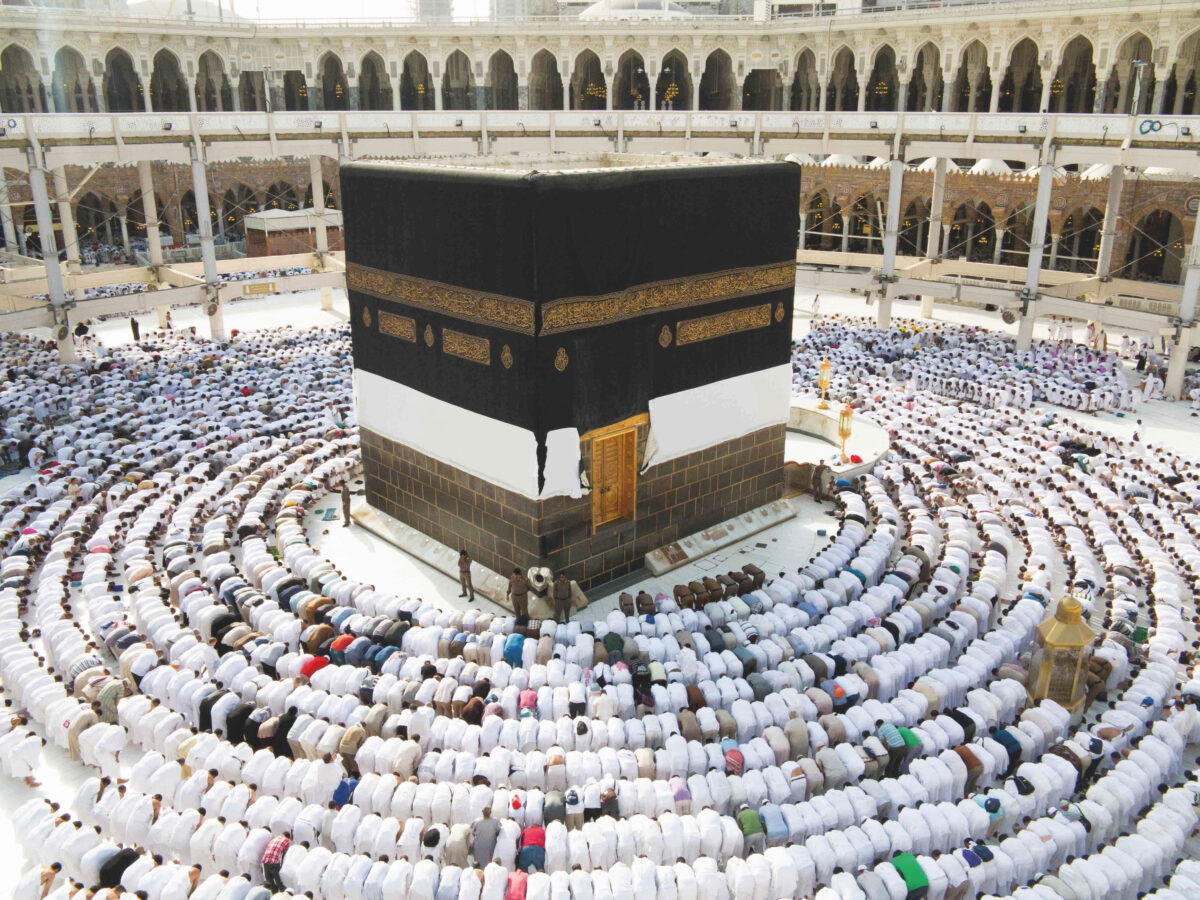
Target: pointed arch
[
  {"x": 501, "y": 85},
  {"x": 72, "y": 85},
  {"x": 806, "y": 85},
  {"x": 925, "y": 88},
  {"x": 458, "y": 82},
  {"x": 168, "y": 88},
  {"x": 717, "y": 84},
  {"x": 1021, "y": 87},
  {"x": 545, "y": 82},
  {"x": 973, "y": 81},
  {"x": 1131, "y": 79},
  {"x": 589, "y": 87},
  {"x": 673, "y": 89},
  {"x": 416, "y": 84},
  {"x": 1074, "y": 86},
  {"x": 1155, "y": 249},
  {"x": 21, "y": 87},
  {"x": 842, "y": 91},
  {"x": 823, "y": 223},
  {"x": 631, "y": 86},
  {"x": 882, "y": 86},
  {"x": 122, "y": 86},
  {"x": 1182, "y": 94},
  {"x": 374, "y": 86},
  {"x": 213, "y": 91}
]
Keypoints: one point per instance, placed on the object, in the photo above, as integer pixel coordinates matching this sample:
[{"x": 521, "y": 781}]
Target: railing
[{"x": 1016, "y": 128}]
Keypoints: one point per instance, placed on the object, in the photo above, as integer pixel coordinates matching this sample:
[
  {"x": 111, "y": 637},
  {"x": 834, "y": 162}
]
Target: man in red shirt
[{"x": 272, "y": 860}]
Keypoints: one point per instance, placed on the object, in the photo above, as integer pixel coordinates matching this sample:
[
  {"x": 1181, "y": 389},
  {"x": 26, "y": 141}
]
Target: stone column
[
  {"x": 994, "y": 105},
  {"x": 150, "y": 212},
  {"x": 891, "y": 225},
  {"x": 1160, "y": 91},
  {"x": 934, "y": 240},
  {"x": 62, "y": 195},
  {"x": 1025, "y": 328},
  {"x": 1112, "y": 214},
  {"x": 216, "y": 321},
  {"x": 146, "y": 94},
  {"x": 318, "y": 192},
  {"x": 845, "y": 233},
  {"x": 1047, "y": 82},
  {"x": 1177, "y": 363},
  {"x": 803, "y": 229},
  {"x": 1037, "y": 244},
  {"x": 6, "y": 218},
  {"x": 101, "y": 104},
  {"x": 998, "y": 249},
  {"x": 191, "y": 92},
  {"x": 437, "y": 97},
  {"x": 947, "y": 92},
  {"x": 1181, "y": 80},
  {"x": 54, "y": 282},
  {"x": 125, "y": 234},
  {"x": 1191, "y": 280},
  {"x": 1053, "y": 250},
  {"x": 522, "y": 93}
]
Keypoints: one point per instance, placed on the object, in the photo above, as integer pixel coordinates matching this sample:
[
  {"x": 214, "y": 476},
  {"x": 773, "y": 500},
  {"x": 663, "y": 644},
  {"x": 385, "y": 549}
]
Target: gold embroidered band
[
  {"x": 467, "y": 346},
  {"x": 397, "y": 326},
  {"x": 689, "y": 331},
  {"x": 462, "y": 303},
  {"x": 570, "y": 313}
]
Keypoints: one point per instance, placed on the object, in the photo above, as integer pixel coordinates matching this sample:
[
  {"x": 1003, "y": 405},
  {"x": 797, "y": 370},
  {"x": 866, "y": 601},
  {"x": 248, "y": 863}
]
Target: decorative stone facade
[
  {"x": 502, "y": 529},
  {"x": 992, "y": 57}
]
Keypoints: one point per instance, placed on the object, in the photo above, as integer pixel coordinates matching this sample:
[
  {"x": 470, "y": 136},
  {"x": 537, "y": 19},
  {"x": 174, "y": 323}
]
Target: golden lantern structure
[
  {"x": 823, "y": 381},
  {"x": 844, "y": 416},
  {"x": 1062, "y": 651}
]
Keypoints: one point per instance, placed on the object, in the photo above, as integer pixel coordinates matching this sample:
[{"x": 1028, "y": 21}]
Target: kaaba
[{"x": 574, "y": 360}]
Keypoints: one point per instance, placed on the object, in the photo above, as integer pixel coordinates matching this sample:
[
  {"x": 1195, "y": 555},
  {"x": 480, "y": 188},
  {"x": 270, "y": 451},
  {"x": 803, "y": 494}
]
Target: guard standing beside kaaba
[
  {"x": 562, "y": 597},
  {"x": 518, "y": 593}
]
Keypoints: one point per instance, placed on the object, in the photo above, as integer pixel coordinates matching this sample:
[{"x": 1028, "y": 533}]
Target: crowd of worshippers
[
  {"x": 257, "y": 723},
  {"x": 970, "y": 363}
]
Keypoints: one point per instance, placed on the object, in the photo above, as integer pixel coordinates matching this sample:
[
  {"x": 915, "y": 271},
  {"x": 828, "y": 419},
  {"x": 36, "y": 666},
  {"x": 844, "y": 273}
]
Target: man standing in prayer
[
  {"x": 483, "y": 838},
  {"x": 346, "y": 505},
  {"x": 272, "y": 860}
]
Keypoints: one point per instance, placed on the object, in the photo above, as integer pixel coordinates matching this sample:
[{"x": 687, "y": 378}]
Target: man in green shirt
[
  {"x": 754, "y": 839},
  {"x": 914, "y": 876}
]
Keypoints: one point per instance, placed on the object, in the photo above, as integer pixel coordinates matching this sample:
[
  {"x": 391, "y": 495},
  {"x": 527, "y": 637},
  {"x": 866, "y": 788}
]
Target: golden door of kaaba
[{"x": 614, "y": 469}]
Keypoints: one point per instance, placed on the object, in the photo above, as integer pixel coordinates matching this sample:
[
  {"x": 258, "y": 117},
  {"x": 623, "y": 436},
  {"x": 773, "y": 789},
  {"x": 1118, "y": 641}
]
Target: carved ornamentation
[
  {"x": 506, "y": 357},
  {"x": 665, "y": 337},
  {"x": 366, "y": 316},
  {"x": 561, "y": 359},
  {"x": 705, "y": 328},
  {"x": 428, "y": 335},
  {"x": 401, "y": 327},
  {"x": 467, "y": 346},
  {"x": 779, "y": 313}
]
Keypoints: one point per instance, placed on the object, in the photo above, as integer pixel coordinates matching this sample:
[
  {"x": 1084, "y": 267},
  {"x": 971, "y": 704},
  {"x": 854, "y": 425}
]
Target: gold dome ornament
[
  {"x": 366, "y": 316},
  {"x": 664, "y": 337},
  {"x": 506, "y": 357},
  {"x": 561, "y": 359},
  {"x": 428, "y": 335}
]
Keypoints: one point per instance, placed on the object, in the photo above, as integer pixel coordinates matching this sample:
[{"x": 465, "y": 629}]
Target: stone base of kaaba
[{"x": 501, "y": 529}]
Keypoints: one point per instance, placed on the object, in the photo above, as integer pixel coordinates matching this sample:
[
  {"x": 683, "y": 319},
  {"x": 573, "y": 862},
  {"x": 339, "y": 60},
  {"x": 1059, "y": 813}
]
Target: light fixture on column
[
  {"x": 733, "y": 123},
  {"x": 1022, "y": 129},
  {"x": 597, "y": 122},
  {"x": 167, "y": 126}
]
